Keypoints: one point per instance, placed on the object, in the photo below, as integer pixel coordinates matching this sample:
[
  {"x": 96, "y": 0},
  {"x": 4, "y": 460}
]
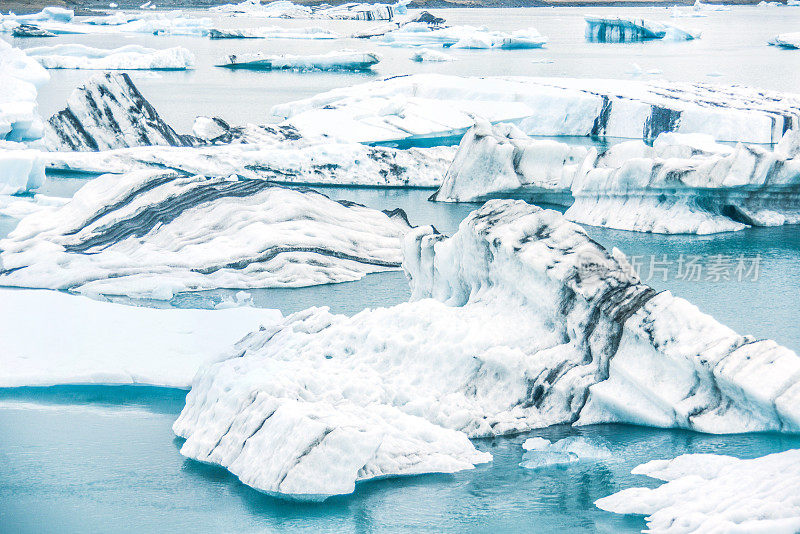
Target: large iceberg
[
  {"x": 302, "y": 161},
  {"x": 716, "y": 493},
  {"x": 152, "y": 234},
  {"x": 48, "y": 14},
  {"x": 424, "y": 34},
  {"x": 124, "y": 119},
  {"x": 626, "y": 30},
  {"x": 128, "y": 57},
  {"x": 518, "y": 321},
  {"x": 20, "y": 76},
  {"x": 433, "y": 105},
  {"x": 90, "y": 342},
  {"x": 272, "y": 32},
  {"x": 166, "y": 23},
  {"x": 683, "y": 183},
  {"x": 334, "y": 60}
]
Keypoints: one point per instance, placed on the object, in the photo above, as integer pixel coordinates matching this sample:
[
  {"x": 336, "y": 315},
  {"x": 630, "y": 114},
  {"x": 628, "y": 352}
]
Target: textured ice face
[
  {"x": 20, "y": 76},
  {"x": 625, "y": 30},
  {"x": 684, "y": 183},
  {"x": 430, "y": 105},
  {"x": 109, "y": 112},
  {"x": 518, "y": 321},
  {"x": 715, "y": 493},
  {"x": 130, "y": 57},
  {"x": 150, "y": 234}
]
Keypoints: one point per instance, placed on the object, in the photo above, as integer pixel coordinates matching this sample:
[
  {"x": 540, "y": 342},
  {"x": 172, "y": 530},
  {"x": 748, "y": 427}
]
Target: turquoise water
[{"x": 100, "y": 459}]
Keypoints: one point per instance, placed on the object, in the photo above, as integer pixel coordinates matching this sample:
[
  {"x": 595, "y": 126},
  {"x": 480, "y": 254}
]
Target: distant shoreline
[{"x": 92, "y": 7}]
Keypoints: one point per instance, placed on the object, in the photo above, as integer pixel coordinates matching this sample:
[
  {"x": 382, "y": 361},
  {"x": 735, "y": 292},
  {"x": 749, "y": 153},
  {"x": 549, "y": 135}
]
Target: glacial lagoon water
[{"x": 78, "y": 459}]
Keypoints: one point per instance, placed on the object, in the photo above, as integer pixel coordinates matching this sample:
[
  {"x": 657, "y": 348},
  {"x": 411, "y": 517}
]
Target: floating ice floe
[
  {"x": 90, "y": 342},
  {"x": 20, "y": 76},
  {"x": 48, "y": 14},
  {"x": 716, "y": 493},
  {"x": 541, "y": 453},
  {"x": 289, "y": 10},
  {"x": 153, "y": 234},
  {"x": 518, "y": 321},
  {"x": 789, "y": 41},
  {"x": 683, "y": 183},
  {"x": 129, "y": 57},
  {"x": 432, "y": 56},
  {"x": 626, "y": 30},
  {"x": 336, "y": 60},
  {"x": 432, "y": 105},
  {"x": 126, "y": 118},
  {"x": 423, "y": 34},
  {"x": 29, "y": 30},
  {"x": 272, "y": 32},
  {"x": 168, "y": 23},
  {"x": 19, "y": 207}
]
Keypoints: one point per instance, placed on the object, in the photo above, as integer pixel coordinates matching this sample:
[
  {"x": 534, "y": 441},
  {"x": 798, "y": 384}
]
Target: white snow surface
[
  {"x": 20, "y": 76},
  {"x": 91, "y": 342},
  {"x": 129, "y": 57},
  {"x": 432, "y": 105},
  {"x": 334, "y": 60},
  {"x": 420, "y": 34},
  {"x": 149, "y": 234},
  {"x": 518, "y": 321},
  {"x": 716, "y": 493},
  {"x": 684, "y": 183}
]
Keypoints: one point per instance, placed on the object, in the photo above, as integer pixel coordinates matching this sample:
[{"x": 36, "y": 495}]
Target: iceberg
[
  {"x": 129, "y": 57},
  {"x": 517, "y": 321},
  {"x": 172, "y": 23},
  {"x": 425, "y": 106},
  {"x": 716, "y": 493},
  {"x": 304, "y": 161},
  {"x": 21, "y": 169},
  {"x": 91, "y": 342},
  {"x": 29, "y": 30},
  {"x": 626, "y": 30},
  {"x": 288, "y": 10},
  {"x": 789, "y": 41},
  {"x": 335, "y": 60},
  {"x": 272, "y": 32},
  {"x": 541, "y": 453},
  {"x": 684, "y": 183},
  {"x": 424, "y": 34},
  {"x": 427, "y": 55},
  {"x": 20, "y": 77},
  {"x": 125, "y": 118},
  {"x": 361, "y": 11},
  {"x": 48, "y": 14},
  {"x": 152, "y": 234},
  {"x": 254, "y": 8}
]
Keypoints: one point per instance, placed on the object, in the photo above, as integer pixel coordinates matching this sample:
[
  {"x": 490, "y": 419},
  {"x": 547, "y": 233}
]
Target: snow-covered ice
[
  {"x": 152, "y": 234},
  {"x": 288, "y": 10},
  {"x": 48, "y": 14},
  {"x": 125, "y": 119},
  {"x": 163, "y": 23},
  {"x": 683, "y": 183},
  {"x": 433, "y": 105},
  {"x": 422, "y": 34},
  {"x": 334, "y": 60},
  {"x": 716, "y": 493},
  {"x": 518, "y": 321},
  {"x": 273, "y": 32},
  {"x": 50, "y": 338},
  {"x": 128, "y": 57}
]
